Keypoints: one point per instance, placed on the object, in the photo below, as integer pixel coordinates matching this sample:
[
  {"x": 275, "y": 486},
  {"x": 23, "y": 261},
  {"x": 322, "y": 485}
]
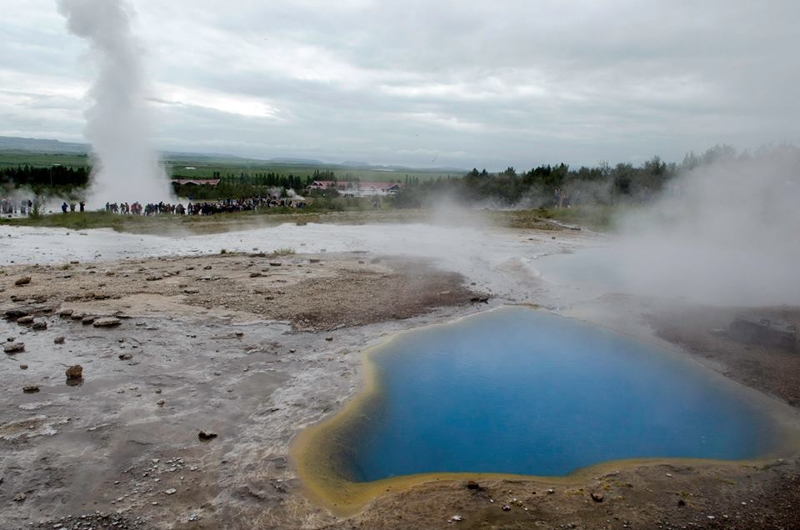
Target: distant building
[
  {"x": 196, "y": 182},
  {"x": 356, "y": 189}
]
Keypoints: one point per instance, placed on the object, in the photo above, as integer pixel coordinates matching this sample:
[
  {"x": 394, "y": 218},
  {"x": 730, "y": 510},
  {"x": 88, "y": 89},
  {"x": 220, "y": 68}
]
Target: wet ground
[{"x": 259, "y": 346}]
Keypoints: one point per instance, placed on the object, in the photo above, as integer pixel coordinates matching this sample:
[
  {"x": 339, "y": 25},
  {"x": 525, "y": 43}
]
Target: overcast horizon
[{"x": 426, "y": 84}]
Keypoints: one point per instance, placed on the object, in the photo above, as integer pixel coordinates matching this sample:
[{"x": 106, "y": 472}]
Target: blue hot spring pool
[{"x": 522, "y": 391}]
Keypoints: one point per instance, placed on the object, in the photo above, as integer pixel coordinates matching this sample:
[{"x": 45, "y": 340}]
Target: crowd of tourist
[
  {"x": 205, "y": 208},
  {"x": 26, "y": 207},
  {"x": 13, "y": 207}
]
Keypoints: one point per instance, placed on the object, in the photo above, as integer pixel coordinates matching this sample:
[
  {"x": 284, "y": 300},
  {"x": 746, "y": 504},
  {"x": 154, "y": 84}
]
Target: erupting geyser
[{"x": 126, "y": 167}]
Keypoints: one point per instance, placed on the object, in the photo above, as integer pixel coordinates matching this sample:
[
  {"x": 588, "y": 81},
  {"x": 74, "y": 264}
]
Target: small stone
[
  {"x": 506, "y": 508},
  {"x": 329, "y": 339},
  {"x": 456, "y": 518},
  {"x": 171, "y": 491},
  {"x": 597, "y": 497},
  {"x": 39, "y": 326},
  {"x": 88, "y": 319},
  {"x": 26, "y": 320},
  {"x": 25, "y": 280},
  {"x": 255, "y": 274},
  {"x": 191, "y": 290},
  {"x": 160, "y": 402},
  {"x": 31, "y": 389},
  {"x": 59, "y": 340},
  {"x": 14, "y": 314},
  {"x": 13, "y": 347},
  {"x": 681, "y": 503},
  {"x": 472, "y": 485},
  {"x": 23, "y": 367},
  {"x": 125, "y": 357},
  {"x": 206, "y": 436},
  {"x": 158, "y": 390},
  {"x": 75, "y": 372},
  {"x": 20, "y": 497},
  {"x": 65, "y": 313},
  {"x": 107, "y": 322}
]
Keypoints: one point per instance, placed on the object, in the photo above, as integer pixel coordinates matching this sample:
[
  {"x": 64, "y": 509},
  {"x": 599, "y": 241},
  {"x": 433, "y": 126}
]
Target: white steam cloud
[
  {"x": 126, "y": 168},
  {"x": 726, "y": 233}
]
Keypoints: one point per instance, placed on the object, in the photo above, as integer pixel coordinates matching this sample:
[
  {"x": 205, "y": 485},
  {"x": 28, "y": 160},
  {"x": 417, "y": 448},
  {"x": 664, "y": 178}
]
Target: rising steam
[
  {"x": 127, "y": 168},
  {"x": 725, "y": 233}
]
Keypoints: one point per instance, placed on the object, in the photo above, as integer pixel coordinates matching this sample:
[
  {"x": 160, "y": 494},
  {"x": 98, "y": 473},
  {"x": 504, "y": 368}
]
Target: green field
[
  {"x": 206, "y": 167},
  {"x": 25, "y": 158}
]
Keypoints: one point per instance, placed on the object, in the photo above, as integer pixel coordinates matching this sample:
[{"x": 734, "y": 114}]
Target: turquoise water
[{"x": 526, "y": 392}]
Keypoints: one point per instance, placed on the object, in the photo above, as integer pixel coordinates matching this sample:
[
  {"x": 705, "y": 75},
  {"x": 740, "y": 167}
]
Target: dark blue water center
[{"x": 527, "y": 392}]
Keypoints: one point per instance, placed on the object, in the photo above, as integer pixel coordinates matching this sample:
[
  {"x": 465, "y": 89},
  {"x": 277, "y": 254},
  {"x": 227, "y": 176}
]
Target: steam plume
[
  {"x": 726, "y": 233},
  {"x": 127, "y": 168}
]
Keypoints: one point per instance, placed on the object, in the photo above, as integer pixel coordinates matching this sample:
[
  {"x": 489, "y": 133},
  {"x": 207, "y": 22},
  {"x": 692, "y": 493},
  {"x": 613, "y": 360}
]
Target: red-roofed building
[
  {"x": 196, "y": 182},
  {"x": 356, "y": 189}
]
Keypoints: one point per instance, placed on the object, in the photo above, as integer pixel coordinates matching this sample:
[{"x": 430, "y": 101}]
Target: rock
[
  {"x": 15, "y": 314},
  {"x": 89, "y": 319},
  {"x": 275, "y": 264},
  {"x": 329, "y": 339},
  {"x": 75, "y": 372},
  {"x": 161, "y": 402},
  {"x": 14, "y": 347},
  {"x": 26, "y": 320},
  {"x": 59, "y": 340},
  {"x": 206, "y": 436},
  {"x": 171, "y": 491},
  {"x": 20, "y": 497},
  {"x": 125, "y": 356},
  {"x": 506, "y": 508},
  {"x": 255, "y": 275},
  {"x": 31, "y": 389},
  {"x": 479, "y": 299},
  {"x": 597, "y": 497},
  {"x": 472, "y": 485},
  {"x": 681, "y": 503},
  {"x": 39, "y": 325},
  {"x": 107, "y": 322},
  {"x": 756, "y": 329},
  {"x": 77, "y": 316},
  {"x": 191, "y": 290},
  {"x": 25, "y": 280},
  {"x": 456, "y": 518},
  {"x": 207, "y": 268},
  {"x": 65, "y": 313},
  {"x": 23, "y": 367}
]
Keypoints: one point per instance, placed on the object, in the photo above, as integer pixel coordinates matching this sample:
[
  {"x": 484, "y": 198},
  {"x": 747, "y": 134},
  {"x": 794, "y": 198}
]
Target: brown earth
[{"x": 109, "y": 453}]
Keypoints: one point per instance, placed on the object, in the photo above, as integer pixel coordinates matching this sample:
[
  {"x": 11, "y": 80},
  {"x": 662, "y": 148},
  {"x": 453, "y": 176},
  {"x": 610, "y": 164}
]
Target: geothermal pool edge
[{"x": 320, "y": 469}]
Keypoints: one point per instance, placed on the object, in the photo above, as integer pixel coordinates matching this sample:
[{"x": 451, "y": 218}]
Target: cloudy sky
[{"x": 428, "y": 83}]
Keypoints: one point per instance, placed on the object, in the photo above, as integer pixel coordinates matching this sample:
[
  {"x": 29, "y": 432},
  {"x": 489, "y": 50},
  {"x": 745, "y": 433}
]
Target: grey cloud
[{"x": 490, "y": 83}]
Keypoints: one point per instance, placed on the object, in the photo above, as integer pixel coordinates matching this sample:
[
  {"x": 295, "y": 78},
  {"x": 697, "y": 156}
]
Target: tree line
[
  {"x": 560, "y": 185},
  {"x": 39, "y": 179}
]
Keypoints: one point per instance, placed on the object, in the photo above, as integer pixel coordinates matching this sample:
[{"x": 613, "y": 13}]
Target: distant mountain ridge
[
  {"x": 37, "y": 145},
  {"x": 57, "y": 147}
]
